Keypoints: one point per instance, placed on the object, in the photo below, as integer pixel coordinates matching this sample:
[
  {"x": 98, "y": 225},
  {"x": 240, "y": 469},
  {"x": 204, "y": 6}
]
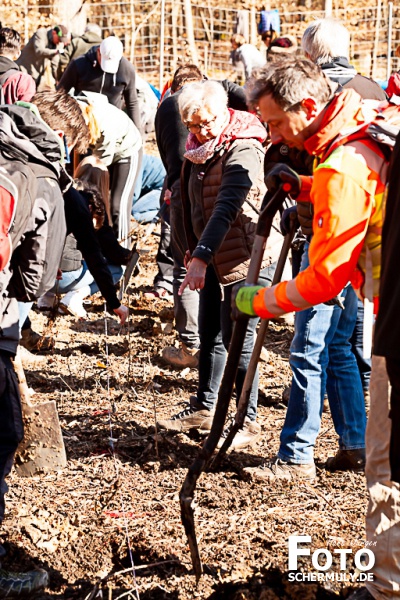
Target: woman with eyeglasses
[{"x": 222, "y": 185}]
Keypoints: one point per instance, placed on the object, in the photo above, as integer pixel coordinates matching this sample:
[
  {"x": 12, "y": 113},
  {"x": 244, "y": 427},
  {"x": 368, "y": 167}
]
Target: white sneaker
[
  {"x": 47, "y": 301},
  {"x": 71, "y": 303}
]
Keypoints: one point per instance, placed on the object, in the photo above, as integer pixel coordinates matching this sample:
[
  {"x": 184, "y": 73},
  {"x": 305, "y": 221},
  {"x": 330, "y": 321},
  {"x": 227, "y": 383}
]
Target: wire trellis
[{"x": 158, "y": 35}]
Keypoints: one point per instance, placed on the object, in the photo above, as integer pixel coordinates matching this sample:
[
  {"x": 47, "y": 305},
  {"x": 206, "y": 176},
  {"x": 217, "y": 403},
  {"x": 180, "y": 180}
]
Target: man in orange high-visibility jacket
[{"x": 301, "y": 109}]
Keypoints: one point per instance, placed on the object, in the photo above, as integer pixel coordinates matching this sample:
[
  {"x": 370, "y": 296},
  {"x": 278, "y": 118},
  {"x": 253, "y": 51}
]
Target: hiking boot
[
  {"x": 181, "y": 357},
  {"x": 46, "y": 302},
  {"x": 71, "y": 303},
  {"x": 34, "y": 342},
  {"x": 281, "y": 470},
  {"x": 195, "y": 416},
  {"x": 347, "y": 460},
  {"x": 248, "y": 435},
  {"x": 361, "y": 594},
  {"x": 19, "y": 585}
]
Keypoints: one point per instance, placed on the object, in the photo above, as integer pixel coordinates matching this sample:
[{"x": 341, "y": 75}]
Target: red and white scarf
[{"x": 241, "y": 125}]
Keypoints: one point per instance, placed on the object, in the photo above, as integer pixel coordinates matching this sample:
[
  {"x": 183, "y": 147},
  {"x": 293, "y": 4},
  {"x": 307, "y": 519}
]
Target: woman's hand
[
  {"x": 187, "y": 258},
  {"x": 122, "y": 312},
  {"x": 195, "y": 276}
]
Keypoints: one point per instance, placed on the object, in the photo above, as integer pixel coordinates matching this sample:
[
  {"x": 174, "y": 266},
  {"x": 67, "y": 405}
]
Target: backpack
[
  {"x": 383, "y": 127},
  {"x": 269, "y": 19},
  {"x": 17, "y": 191},
  {"x": 3, "y": 79}
]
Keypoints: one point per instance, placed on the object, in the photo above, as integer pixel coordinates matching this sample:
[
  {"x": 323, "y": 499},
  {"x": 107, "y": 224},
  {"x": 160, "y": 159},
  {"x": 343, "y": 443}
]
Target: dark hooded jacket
[
  {"x": 85, "y": 74},
  {"x": 79, "y": 45},
  {"x": 387, "y": 329},
  {"x": 29, "y": 156}
]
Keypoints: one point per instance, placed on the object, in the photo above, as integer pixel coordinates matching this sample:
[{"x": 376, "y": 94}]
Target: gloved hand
[
  {"x": 305, "y": 212},
  {"x": 242, "y": 300},
  {"x": 286, "y": 218},
  {"x": 280, "y": 174},
  {"x": 336, "y": 301}
]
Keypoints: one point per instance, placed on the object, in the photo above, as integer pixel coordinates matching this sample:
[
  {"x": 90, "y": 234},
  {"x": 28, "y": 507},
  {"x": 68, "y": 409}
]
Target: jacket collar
[{"x": 343, "y": 112}]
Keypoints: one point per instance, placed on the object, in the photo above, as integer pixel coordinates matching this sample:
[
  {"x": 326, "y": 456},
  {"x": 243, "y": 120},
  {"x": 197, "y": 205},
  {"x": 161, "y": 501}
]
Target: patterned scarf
[{"x": 241, "y": 125}]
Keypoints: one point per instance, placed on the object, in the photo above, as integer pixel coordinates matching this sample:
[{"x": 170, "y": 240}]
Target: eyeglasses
[{"x": 196, "y": 128}]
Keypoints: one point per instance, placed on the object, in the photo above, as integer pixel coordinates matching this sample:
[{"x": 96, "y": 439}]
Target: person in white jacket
[
  {"x": 116, "y": 141},
  {"x": 246, "y": 54}
]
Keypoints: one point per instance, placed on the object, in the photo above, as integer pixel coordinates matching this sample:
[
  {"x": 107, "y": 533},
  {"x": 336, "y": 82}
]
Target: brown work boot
[
  {"x": 347, "y": 460},
  {"x": 282, "y": 470},
  {"x": 34, "y": 342},
  {"x": 181, "y": 357},
  {"x": 248, "y": 435},
  {"x": 195, "y": 416}
]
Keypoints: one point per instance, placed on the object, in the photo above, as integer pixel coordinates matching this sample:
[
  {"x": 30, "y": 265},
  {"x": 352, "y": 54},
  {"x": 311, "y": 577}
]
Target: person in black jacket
[
  {"x": 79, "y": 218},
  {"x": 383, "y": 431},
  {"x": 327, "y": 43},
  {"x": 90, "y": 241},
  {"x": 171, "y": 136},
  {"x": 104, "y": 70}
]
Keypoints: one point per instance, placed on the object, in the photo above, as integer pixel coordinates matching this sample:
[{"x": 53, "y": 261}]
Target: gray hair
[
  {"x": 194, "y": 96},
  {"x": 326, "y": 39},
  {"x": 289, "y": 81}
]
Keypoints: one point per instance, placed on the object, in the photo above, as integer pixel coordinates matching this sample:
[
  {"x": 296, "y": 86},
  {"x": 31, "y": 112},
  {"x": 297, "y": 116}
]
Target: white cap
[{"x": 111, "y": 50}]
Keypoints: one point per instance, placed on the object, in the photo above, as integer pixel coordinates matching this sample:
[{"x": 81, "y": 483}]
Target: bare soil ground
[
  {"x": 77, "y": 523},
  {"x": 110, "y": 522}
]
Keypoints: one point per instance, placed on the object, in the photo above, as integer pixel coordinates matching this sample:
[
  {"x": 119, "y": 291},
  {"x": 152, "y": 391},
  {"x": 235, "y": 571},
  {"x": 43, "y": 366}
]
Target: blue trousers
[{"x": 322, "y": 360}]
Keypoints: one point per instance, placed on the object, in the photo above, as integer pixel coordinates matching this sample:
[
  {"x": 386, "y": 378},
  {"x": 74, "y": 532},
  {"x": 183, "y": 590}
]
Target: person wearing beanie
[{"x": 41, "y": 55}]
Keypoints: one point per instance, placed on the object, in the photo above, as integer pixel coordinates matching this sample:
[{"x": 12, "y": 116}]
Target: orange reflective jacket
[{"x": 347, "y": 191}]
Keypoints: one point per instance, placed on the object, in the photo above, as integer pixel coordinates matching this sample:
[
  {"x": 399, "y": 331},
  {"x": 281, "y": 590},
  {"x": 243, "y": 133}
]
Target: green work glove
[{"x": 242, "y": 300}]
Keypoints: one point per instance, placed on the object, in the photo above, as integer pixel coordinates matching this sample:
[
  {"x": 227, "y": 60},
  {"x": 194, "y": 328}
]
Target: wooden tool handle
[{"x": 23, "y": 386}]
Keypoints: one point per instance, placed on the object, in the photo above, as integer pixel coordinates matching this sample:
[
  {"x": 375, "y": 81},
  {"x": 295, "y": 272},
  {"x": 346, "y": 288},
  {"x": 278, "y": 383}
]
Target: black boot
[
  {"x": 20, "y": 585},
  {"x": 347, "y": 460}
]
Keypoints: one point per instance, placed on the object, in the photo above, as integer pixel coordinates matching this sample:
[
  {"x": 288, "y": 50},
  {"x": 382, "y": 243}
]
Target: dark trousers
[
  {"x": 164, "y": 260},
  {"x": 11, "y": 426},
  {"x": 356, "y": 341},
  {"x": 393, "y": 370},
  {"x": 122, "y": 182},
  {"x": 215, "y": 328}
]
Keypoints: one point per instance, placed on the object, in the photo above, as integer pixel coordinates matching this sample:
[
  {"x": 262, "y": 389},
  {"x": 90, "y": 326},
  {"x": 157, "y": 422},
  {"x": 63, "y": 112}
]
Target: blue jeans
[
  {"x": 322, "y": 359},
  {"x": 149, "y": 182},
  {"x": 215, "y": 328},
  {"x": 75, "y": 280}
]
